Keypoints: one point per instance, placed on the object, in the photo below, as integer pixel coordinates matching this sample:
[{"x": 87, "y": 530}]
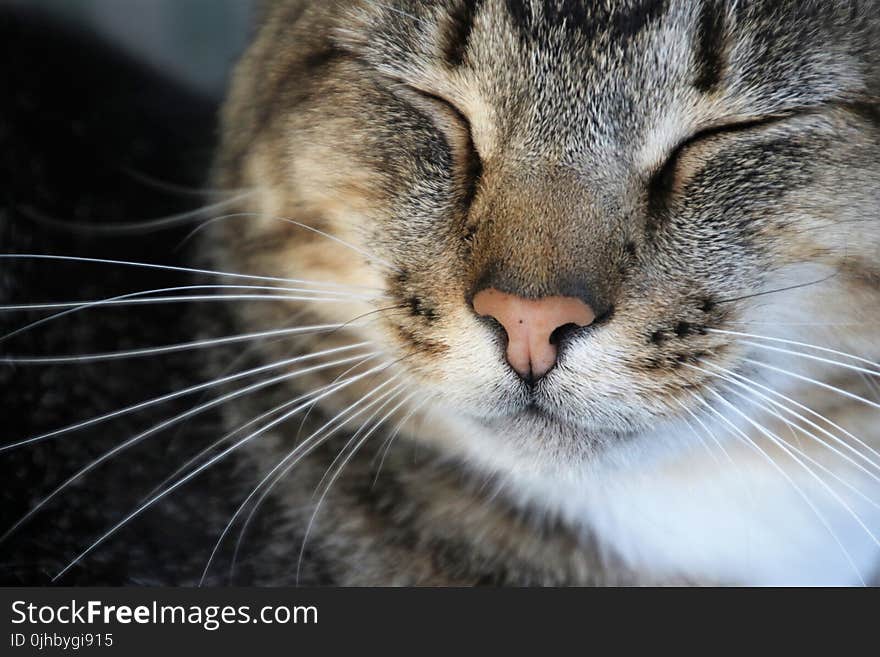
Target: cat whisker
[
  {"x": 776, "y": 440},
  {"x": 369, "y": 256},
  {"x": 744, "y": 437},
  {"x": 336, "y": 474},
  {"x": 863, "y": 370},
  {"x": 256, "y": 506},
  {"x": 131, "y": 295},
  {"x": 389, "y": 396},
  {"x": 183, "y": 190},
  {"x": 301, "y": 450},
  {"x": 132, "y": 301},
  {"x": 151, "y": 301},
  {"x": 105, "y": 227},
  {"x": 134, "y": 440},
  {"x": 796, "y": 427},
  {"x": 807, "y": 379},
  {"x": 386, "y": 446},
  {"x": 167, "y": 349},
  {"x": 186, "y": 270},
  {"x": 872, "y": 384},
  {"x": 739, "y": 472},
  {"x": 787, "y": 288},
  {"x": 179, "y": 393},
  {"x": 795, "y": 324},
  {"x": 243, "y": 441},
  {"x": 754, "y": 386},
  {"x": 239, "y": 215},
  {"x": 706, "y": 430},
  {"x": 256, "y": 420}
]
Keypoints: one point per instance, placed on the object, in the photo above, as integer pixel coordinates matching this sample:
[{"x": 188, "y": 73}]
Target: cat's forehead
[{"x": 576, "y": 64}]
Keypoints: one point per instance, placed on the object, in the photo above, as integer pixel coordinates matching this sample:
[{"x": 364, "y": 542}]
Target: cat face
[{"x": 684, "y": 169}]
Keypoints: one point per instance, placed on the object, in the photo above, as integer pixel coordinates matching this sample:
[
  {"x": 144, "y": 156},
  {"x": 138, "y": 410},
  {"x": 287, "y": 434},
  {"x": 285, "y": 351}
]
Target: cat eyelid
[
  {"x": 728, "y": 128},
  {"x": 470, "y": 163},
  {"x": 436, "y": 98},
  {"x": 721, "y": 129},
  {"x": 661, "y": 178},
  {"x": 741, "y": 125}
]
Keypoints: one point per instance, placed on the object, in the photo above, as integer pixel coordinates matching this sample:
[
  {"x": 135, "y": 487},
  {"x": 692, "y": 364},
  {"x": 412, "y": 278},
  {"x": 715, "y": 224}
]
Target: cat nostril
[
  {"x": 534, "y": 327},
  {"x": 561, "y": 333}
]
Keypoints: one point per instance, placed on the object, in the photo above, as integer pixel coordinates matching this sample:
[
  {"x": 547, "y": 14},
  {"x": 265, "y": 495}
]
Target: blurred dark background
[
  {"x": 97, "y": 90},
  {"x": 107, "y": 115},
  {"x": 193, "y": 41}
]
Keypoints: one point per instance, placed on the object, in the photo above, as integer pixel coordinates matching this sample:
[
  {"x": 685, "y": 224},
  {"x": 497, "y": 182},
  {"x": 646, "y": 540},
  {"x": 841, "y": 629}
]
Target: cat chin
[{"x": 527, "y": 440}]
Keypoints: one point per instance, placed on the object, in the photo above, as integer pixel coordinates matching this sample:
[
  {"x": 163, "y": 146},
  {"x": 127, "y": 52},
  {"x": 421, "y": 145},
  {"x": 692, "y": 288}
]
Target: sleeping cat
[{"x": 575, "y": 293}]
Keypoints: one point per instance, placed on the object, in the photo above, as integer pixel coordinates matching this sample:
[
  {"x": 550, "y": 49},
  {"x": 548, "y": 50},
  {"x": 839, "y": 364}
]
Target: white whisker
[
  {"x": 806, "y": 345},
  {"x": 180, "y": 393},
  {"x": 142, "y": 297},
  {"x": 186, "y": 270},
  {"x": 134, "y": 440},
  {"x": 150, "y": 225},
  {"x": 121, "y": 298},
  {"x": 239, "y": 215},
  {"x": 776, "y": 440},
  {"x": 803, "y": 452},
  {"x": 854, "y": 368},
  {"x": 754, "y": 384},
  {"x": 387, "y": 444},
  {"x": 700, "y": 438},
  {"x": 788, "y": 479},
  {"x": 389, "y": 396},
  {"x": 168, "y": 349},
  {"x": 280, "y": 476},
  {"x": 176, "y": 188},
  {"x": 198, "y": 471},
  {"x": 336, "y": 475},
  {"x": 242, "y": 427},
  {"x": 259, "y": 502},
  {"x": 295, "y": 455},
  {"x": 807, "y": 379}
]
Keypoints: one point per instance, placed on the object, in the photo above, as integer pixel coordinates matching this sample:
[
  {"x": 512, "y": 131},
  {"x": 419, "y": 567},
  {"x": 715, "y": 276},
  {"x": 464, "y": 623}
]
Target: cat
[{"x": 577, "y": 293}]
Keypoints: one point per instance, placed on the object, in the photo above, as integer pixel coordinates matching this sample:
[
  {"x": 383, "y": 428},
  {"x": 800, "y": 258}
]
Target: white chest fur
[{"x": 736, "y": 521}]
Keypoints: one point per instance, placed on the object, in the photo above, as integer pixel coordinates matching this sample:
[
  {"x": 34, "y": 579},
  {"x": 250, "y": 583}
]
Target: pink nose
[{"x": 529, "y": 324}]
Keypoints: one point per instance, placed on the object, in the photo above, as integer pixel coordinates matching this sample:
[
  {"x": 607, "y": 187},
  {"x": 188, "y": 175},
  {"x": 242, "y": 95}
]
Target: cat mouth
[{"x": 536, "y": 413}]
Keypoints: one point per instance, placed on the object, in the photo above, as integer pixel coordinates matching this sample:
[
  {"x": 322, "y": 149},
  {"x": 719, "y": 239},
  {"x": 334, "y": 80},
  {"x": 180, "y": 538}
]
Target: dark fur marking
[
  {"x": 709, "y": 47},
  {"x": 470, "y": 232},
  {"x": 419, "y": 308},
  {"x": 473, "y": 175},
  {"x": 430, "y": 346},
  {"x": 585, "y": 19},
  {"x": 627, "y": 26},
  {"x": 320, "y": 58},
  {"x": 521, "y": 14},
  {"x": 457, "y": 39}
]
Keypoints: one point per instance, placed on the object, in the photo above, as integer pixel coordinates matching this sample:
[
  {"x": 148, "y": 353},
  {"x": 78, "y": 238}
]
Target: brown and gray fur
[
  {"x": 683, "y": 166},
  {"x": 704, "y": 174}
]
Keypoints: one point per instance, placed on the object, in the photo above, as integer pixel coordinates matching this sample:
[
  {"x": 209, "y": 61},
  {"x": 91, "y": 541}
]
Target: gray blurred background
[{"x": 194, "y": 41}]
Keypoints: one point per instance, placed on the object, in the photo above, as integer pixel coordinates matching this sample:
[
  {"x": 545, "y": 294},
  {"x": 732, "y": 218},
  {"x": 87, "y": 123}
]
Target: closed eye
[
  {"x": 468, "y": 165},
  {"x": 662, "y": 183}
]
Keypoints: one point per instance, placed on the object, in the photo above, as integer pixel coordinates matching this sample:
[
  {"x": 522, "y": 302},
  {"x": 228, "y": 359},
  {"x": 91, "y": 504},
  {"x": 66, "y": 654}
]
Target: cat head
[{"x": 638, "y": 183}]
